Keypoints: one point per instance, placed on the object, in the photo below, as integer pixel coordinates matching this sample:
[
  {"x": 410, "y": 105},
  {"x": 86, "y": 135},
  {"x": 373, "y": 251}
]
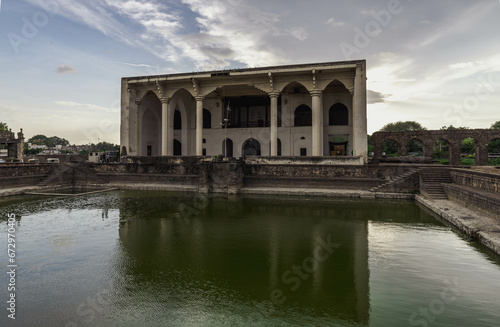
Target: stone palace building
[{"x": 296, "y": 110}]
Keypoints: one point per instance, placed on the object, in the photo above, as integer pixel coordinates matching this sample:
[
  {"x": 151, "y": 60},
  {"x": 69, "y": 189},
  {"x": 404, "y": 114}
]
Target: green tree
[
  {"x": 4, "y": 127},
  {"x": 494, "y": 145},
  {"x": 39, "y": 139},
  {"x": 104, "y": 146},
  {"x": 453, "y": 128},
  {"x": 50, "y": 142},
  {"x": 468, "y": 146},
  {"x": 403, "y": 126}
]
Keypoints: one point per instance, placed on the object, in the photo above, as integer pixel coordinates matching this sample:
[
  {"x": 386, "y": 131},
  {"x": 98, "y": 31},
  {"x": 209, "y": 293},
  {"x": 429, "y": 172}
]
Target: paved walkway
[
  {"x": 485, "y": 228},
  {"x": 324, "y": 192},
  {"x": 18, "y": 190}
]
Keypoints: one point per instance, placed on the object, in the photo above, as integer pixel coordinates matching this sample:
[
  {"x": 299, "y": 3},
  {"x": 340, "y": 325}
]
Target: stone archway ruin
[{"x": 481, "y": 136}]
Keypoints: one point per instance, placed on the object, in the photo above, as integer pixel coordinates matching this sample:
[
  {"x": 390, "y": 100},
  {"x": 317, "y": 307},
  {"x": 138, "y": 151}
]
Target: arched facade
[{"x": 266, "y": 104}]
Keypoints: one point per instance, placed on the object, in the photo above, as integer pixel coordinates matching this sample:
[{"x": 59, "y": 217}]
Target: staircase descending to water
[
  {"x": 397, "y": 179},
  {"x": 431, "y": 180},
  {"x": 60, "y": 172}
]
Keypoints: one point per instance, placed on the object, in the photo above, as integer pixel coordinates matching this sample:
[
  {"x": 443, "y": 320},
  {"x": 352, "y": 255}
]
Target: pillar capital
[
  {"x": 199, "y": 98},
  {"x": 316, "y": 93},
  {"x": 165, "y": 100},
  {"x": 274, "y": 94}
]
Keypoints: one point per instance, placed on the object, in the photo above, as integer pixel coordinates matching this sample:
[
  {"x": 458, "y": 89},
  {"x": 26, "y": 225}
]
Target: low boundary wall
[{"x": 476, "y": 179}]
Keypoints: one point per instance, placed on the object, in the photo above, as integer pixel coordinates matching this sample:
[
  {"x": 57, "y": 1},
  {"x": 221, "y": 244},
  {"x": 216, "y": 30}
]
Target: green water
[{"x": 129, "y": 258}]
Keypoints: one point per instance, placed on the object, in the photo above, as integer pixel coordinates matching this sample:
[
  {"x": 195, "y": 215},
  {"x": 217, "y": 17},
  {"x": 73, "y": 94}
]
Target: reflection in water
[
  {"x": 259, "y": 251},
  {"x": 132, "y": 259}
]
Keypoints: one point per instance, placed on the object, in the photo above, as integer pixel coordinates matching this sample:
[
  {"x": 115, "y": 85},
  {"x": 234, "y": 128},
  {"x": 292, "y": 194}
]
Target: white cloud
[
  {"x": 299, "y": 33},
  {"x": 465, "y": 65},
  {"x": 334, "y": 23},
  {"x": 85, "y": 106},
  {"x": 228, "y": 29}
]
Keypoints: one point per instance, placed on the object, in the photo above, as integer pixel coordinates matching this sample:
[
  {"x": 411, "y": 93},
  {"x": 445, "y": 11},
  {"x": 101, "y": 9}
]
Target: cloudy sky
[{"x": 433, "y": 61}]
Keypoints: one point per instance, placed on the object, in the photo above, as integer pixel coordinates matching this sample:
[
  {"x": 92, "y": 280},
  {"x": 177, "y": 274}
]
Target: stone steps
[
  {"x": 432, "y": 180},
  {"x": 397, "y": 179}
]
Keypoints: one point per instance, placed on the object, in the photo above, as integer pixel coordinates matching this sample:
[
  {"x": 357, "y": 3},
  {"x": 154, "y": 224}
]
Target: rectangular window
[
  {"x": 204, "y": 152},
  {"x": 303, "y": 152}
]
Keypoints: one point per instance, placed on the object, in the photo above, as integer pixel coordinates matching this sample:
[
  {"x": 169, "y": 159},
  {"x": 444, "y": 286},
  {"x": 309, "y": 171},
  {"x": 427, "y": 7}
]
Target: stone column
[
  {"x": 428, "y": 149},
  {"x": 165, "y": 120},
  {"x": 377, "y": 151},
  {"x": 125, "y": 118},
  {"x": 481, "y": 151},
  {"x": 274, "y": 123},
  {"x": 317, "y": 123},
  {"x": 199, "y": 125},
  {"x": 454, "y": 154},
  {"x": 137, "y": 126},
  {"x": 359, "y": 122},
  {"x": 403, "y": 148}
]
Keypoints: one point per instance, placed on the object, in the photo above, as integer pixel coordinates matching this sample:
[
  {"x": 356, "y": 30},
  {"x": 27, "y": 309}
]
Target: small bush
[
  {"x": 467, "y": 161},
  {"x": 494, "y": 162}
]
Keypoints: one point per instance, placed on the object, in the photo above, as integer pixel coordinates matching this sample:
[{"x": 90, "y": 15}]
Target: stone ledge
[
  {"x": 471, "y": 197},
  {"x": 477, "y": 179},
  {"x": 484, "y": 228},
  {"x": 339, "y": 193}
]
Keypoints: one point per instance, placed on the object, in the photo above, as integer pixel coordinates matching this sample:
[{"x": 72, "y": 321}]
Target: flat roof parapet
[{"x": 242, "y": 71}]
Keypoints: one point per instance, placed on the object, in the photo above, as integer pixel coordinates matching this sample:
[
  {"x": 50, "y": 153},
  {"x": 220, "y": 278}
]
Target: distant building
[
  {"x": 13, "y": 145},
  {"x": 34, "y": 146},
  {"x": 95, "y": 157},
  {"x": 298, "y": 110}
]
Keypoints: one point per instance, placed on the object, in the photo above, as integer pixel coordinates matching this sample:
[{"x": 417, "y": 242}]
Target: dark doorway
[
  {"x": 229, "y": 148},
  {"x": 177, "y": 148},
  {"x": 207, "y": 119},
  {"x": 251, "y": 147}
]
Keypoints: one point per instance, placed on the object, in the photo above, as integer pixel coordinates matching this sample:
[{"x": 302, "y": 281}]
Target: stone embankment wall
[
  {"x": 328, "y": 176},
  {"x": 18, "y": 175},
  {"x": 477, "y": 190},
  {"x": 175, "y": 171},
  {"x": 207, "y": 176}
]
